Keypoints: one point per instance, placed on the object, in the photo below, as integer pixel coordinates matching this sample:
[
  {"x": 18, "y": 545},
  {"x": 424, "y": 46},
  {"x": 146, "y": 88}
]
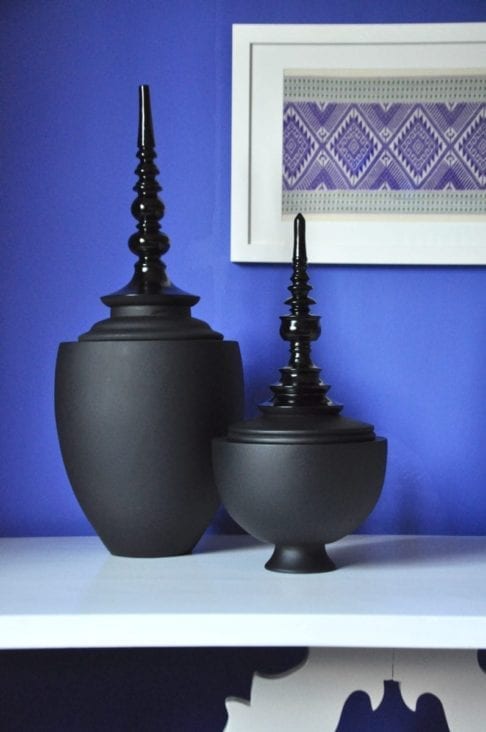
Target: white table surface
[{"x": 389, "y": 592}]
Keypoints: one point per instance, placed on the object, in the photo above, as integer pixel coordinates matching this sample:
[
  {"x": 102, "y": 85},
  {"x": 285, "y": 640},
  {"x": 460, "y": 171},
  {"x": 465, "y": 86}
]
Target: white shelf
[{"x": 389, "y": 592}]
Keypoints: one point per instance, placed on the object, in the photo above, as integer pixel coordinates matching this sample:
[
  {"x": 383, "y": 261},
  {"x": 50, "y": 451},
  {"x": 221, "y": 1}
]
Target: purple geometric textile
[
  {"x": 371, "y": 146},
  {"x": 389, "y": 144}
]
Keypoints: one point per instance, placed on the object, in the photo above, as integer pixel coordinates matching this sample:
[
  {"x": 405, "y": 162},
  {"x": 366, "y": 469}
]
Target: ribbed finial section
[
  {"x": 148, "y": 243},
  {"x": 150, "y": 284},
  {"x": 301, "y": 387},
  {"x": 300, "y": 301}
]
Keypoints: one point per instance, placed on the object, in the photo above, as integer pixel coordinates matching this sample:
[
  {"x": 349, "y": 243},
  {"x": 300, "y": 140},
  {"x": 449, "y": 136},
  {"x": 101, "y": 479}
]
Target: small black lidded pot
[
  {"x": 140, "y": 396},
  {"x": 300, "y": 475}
]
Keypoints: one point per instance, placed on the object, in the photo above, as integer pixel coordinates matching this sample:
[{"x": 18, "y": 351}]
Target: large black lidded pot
[
  {"x": 140, "y": 396},
  {"x": 300, "y": 475}
]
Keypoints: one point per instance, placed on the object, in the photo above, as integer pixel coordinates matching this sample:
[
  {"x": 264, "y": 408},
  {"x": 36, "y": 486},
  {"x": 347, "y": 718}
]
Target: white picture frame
[{"x": 261, "y": 53}]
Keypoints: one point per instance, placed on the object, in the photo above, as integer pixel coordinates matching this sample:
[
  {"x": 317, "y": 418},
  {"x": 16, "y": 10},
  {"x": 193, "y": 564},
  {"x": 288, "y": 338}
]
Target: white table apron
[{"x": 412, "y": 609}]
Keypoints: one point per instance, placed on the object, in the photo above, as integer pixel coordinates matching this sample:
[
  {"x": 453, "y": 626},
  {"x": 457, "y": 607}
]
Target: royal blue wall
[{"x": 402, "y": 347}]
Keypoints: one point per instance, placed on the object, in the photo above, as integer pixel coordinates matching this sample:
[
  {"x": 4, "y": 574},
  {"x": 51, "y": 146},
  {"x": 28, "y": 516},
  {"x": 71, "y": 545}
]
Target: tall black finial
[
  {"x": 149, "y": 307},
  {"x": 148, "y": 243},
  {"x": 150, "y": 283},
  {"x": 300, "y": 387}
]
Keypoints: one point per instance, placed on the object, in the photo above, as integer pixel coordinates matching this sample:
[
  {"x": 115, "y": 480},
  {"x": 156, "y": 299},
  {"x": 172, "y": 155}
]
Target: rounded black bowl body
[
  {"x": 299, "y": 494},
  {"x": 135, "y": 421}
]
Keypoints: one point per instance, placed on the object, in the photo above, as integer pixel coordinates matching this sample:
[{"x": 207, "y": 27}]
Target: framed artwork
[{"x": 375, "y": 133}]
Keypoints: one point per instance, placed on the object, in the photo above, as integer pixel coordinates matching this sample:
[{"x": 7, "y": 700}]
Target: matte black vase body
[
  {"x": 135, "y": 422},
  {"x": 299, "y": 496}
]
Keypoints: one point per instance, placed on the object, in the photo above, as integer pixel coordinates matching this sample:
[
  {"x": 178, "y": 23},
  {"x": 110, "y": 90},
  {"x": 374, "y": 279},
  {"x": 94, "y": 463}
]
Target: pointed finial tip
[
  {"x": 144, "y": 93},
  {"x": 145, "y": 131},
  {"x": 299, "y": 238}
]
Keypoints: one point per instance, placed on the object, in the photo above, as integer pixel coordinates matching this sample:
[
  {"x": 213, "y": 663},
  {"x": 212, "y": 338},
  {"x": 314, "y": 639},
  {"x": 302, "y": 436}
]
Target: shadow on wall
[
  {"x": 169, "y": 690},
  {"x": 174, "y": 690}
]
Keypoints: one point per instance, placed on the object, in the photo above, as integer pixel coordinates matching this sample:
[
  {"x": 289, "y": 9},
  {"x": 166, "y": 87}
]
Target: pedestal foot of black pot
[{"x": 302, "y": 559}]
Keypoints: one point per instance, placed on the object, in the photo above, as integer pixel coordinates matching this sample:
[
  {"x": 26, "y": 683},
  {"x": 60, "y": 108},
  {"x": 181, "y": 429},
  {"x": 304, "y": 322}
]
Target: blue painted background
[{"x": 403, "y": 348}]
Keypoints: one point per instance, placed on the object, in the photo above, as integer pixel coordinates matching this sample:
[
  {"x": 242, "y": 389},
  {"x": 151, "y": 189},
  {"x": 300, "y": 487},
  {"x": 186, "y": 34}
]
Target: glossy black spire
[
  {"x": 150, "y": 283},
  {"x": 300, "y": 387},
  {"x": 149, "y": 307},
  {"x": 148, "y": 243}
]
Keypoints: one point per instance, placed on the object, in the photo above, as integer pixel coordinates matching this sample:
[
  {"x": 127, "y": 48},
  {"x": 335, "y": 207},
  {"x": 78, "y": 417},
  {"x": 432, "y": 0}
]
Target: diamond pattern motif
[
  {"x": 299, "y": 146},
  {"x": 472, "y": 147},
  {"x": 417, "y": 146},
  {"x": 354, "y": 146}
]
